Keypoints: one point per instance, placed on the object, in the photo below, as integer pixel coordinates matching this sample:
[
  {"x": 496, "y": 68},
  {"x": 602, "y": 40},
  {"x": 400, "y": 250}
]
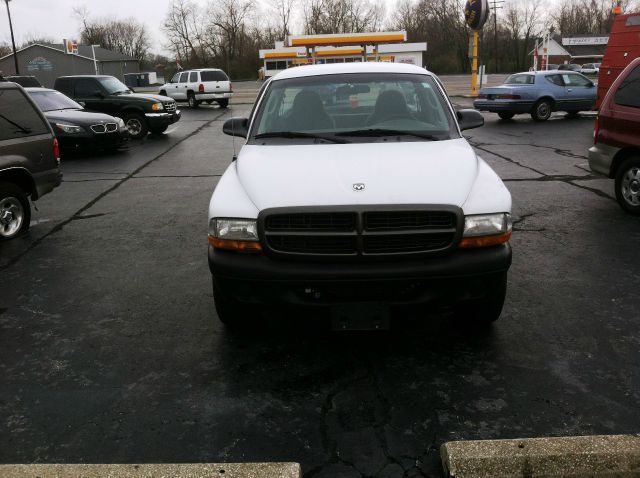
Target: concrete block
[
  {"x": 185, "y": 470},
  {"x": 582, "y": 456}
]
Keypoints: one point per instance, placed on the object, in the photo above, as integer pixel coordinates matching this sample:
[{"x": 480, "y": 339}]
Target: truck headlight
[
  {"x": 484, "y": 230},
  {"x": 157, "y": 107},
  {"x": 234, "y": 234},
  {"x": 70, "y": 128}
]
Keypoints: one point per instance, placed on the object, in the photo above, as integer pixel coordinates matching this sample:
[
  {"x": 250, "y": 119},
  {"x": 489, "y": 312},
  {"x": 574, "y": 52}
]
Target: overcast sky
[{"x": 55, "y": 18}]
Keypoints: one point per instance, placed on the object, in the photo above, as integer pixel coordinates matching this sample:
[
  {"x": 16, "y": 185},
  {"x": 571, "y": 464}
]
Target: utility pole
[
  {"x": 13, "y": 40},
  {"x": 495, "y": 5}
]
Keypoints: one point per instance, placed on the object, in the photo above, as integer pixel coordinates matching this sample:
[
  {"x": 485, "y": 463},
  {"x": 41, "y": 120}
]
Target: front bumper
[
  {"x": 157, "y": 120},
  {"x": 498, "y": 106},
  {"x": 93, "y": 140},
  {"x": 459, "y": 276},
  {"x": 601, "y": 158}
]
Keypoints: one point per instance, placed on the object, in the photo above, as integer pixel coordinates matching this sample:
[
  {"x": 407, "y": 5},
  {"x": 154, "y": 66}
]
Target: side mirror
[
  {"x": 469, "y": 119},
  {"x": 236, "y": 127}
]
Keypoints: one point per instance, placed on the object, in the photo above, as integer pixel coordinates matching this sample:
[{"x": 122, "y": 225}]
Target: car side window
[
  {"x": 555, "y": 79},
  {"x": 184, "y": 77},
  {"x": 628, "y": 93},
  {"x": 576, "y": 80},
  {"x": 193, "y": 77},
  {"x": 18, "y": 119},
  {"x": 65, "y": 86},
  {"x": 86, "y": 88}
]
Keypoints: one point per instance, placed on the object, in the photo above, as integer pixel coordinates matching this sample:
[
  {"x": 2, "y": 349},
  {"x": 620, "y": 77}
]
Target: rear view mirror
[
  {"x": 236, "y": 127},
  {"x": 469, "y": 119}
]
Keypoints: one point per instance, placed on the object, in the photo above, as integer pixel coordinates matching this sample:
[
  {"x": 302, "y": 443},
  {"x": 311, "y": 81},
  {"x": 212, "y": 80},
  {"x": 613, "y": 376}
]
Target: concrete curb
[
  {"x": 186, "y": 470},
  {"x": 593, "y": 456}
]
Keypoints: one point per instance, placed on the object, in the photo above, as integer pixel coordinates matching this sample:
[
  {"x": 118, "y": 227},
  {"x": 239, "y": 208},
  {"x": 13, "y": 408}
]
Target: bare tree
[
  {"x": 283, "y": 10},
  {"x": 342, "y": 16},
  {"x": 184, "y": 27},
  {"x": 127, "y": 36}
]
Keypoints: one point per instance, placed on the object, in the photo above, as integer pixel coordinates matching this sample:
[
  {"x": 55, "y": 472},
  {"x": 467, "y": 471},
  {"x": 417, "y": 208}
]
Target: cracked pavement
[{"x": 110, "y": 350}]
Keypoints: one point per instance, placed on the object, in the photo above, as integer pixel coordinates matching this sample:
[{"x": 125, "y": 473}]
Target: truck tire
[
  {"x": 223, "y": 103},
  {"x": 505, "y": 115},
  {"x": 232, "y": 312},
  {"x": 136, "y": 125},
  {"x": 628, "y": 185},
  {"x": 542, "y": 110},
  {"x": 15, "y": 211},
  {"x": 191, "y": 98},
  {"x": 482, "y": 312}
]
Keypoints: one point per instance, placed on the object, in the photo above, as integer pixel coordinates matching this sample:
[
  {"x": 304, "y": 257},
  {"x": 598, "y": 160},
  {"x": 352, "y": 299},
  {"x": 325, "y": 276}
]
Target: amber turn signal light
[
  {"x": 241, "y": 246},
  {"x": 484, "y": 241}
]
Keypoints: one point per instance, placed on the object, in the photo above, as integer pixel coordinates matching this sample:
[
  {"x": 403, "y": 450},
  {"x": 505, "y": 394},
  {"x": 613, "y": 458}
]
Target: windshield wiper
[
  {"x": 297, "y": 134},
  {"x": 377, "y": 132}
]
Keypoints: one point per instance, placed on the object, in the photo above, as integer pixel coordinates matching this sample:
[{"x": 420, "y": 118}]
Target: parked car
[
  {"x": 616, "y": 149},
  {"x": 142, "y": 113},
  {"x": 25, "y": 81},
  {"x": 590, "y": 69},
  {"x": 358, "y": 208},
  {"x": 29, "y": 159},
  {"x": 196, "y": 86},
  {"x": 552, "y": 66},
  {"x": 569, "y": 67},
  {"x": 538, "y": 93},
  {"x": 76, "y": 128}
]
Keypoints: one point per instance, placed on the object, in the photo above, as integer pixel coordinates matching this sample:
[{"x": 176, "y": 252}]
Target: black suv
[
  {"x": 142, "y": 113},
  {"x": 29, "y": 158}
]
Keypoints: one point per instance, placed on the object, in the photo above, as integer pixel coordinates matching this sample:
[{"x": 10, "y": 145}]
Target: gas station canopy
[{"x": 341, "y": 39}]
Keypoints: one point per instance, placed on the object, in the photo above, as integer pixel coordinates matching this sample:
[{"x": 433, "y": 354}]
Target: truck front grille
[
  {"x": 370, "y": 231},
  {"x": 170, "y": 106}
]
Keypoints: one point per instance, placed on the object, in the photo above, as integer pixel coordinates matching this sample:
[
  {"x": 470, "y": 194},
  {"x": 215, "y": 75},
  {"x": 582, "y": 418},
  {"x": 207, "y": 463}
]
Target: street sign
[
  {"x": 476, "y": 13},
  {"x": 70, "y": 47}
]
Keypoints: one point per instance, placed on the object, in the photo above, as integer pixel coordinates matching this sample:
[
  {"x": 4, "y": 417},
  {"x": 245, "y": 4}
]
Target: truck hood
[
  {"x": 437, "y": 172},
  {"x": 147, "y": 96}
]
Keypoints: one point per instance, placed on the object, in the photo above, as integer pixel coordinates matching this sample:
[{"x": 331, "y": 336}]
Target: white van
[{"x": 196, "y": 86}]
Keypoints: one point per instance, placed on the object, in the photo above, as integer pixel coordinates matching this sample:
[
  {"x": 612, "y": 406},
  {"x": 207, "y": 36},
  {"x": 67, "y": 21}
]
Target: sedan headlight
[
  {"x": 121, "y": 125},
  {"x": 234, "y": 234},
  {"x": 70, "y": 128},
  {"x": 483, "y": 230},
  {"x": 157, "y": 107}
]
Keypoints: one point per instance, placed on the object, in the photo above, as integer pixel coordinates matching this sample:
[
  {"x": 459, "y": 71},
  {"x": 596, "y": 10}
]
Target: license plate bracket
[{"x": 360, "y": 316}]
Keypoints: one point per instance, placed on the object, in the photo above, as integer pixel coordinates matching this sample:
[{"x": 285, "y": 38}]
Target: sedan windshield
[
  {"x": 53, "y": 100},
  {"x": 357, "y": 107},
  {"x": 113, "y": 86}
]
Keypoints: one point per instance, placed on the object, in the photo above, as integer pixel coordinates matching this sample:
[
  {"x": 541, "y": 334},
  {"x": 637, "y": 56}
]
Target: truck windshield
[
  {"x": 113, "y": 86},
  {"x": 356, "y": 107},
  {"x": 53, "y": 100}
]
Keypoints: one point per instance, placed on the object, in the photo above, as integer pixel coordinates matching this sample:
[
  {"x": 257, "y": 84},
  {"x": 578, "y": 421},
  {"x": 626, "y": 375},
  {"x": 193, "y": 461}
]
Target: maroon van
[{"x": 616, "y": 137}]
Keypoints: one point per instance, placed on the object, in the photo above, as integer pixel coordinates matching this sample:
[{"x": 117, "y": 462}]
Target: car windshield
[
  {"x": 53, "y": 100},
  {"x": 359, "y": 107},
  {"x": 113, "y": 86},
  {"x": 520, "y": 80}
]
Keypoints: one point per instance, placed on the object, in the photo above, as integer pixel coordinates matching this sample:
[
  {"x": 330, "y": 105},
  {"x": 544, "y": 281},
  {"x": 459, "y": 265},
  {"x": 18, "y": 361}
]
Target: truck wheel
[
  {"x": 486, "y": 310},
  {"x": 209, "y": 102},
  {"x": 136, "y": 125},
  {"x": 541, "y": 110},
  {"x": 223, "y": 103},
  {"x": 231, "y": 312},
  {"x": 191, "y": 98},
  {"x": 15, "y": 211},
  {"x": 159, "y": 130},
  {"x": 162, "y": 93},
  {"x": 506, "y": 116},
  {"x": 628, "y": 185}
]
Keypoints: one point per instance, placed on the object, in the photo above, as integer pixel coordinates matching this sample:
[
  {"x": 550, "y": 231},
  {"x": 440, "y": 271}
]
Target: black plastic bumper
[
  {"x": 462, "y": 275},
  {"x": 160, "y": 120}
]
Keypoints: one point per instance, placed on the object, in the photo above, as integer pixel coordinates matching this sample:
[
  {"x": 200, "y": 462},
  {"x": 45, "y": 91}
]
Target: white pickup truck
[
  {"x": 196, "y": 86},
  {"x": 356, "y": 192}
]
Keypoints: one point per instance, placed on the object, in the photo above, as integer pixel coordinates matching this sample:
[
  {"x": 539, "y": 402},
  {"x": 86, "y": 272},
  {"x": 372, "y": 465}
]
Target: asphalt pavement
[{"x": 111, "y": 352}]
